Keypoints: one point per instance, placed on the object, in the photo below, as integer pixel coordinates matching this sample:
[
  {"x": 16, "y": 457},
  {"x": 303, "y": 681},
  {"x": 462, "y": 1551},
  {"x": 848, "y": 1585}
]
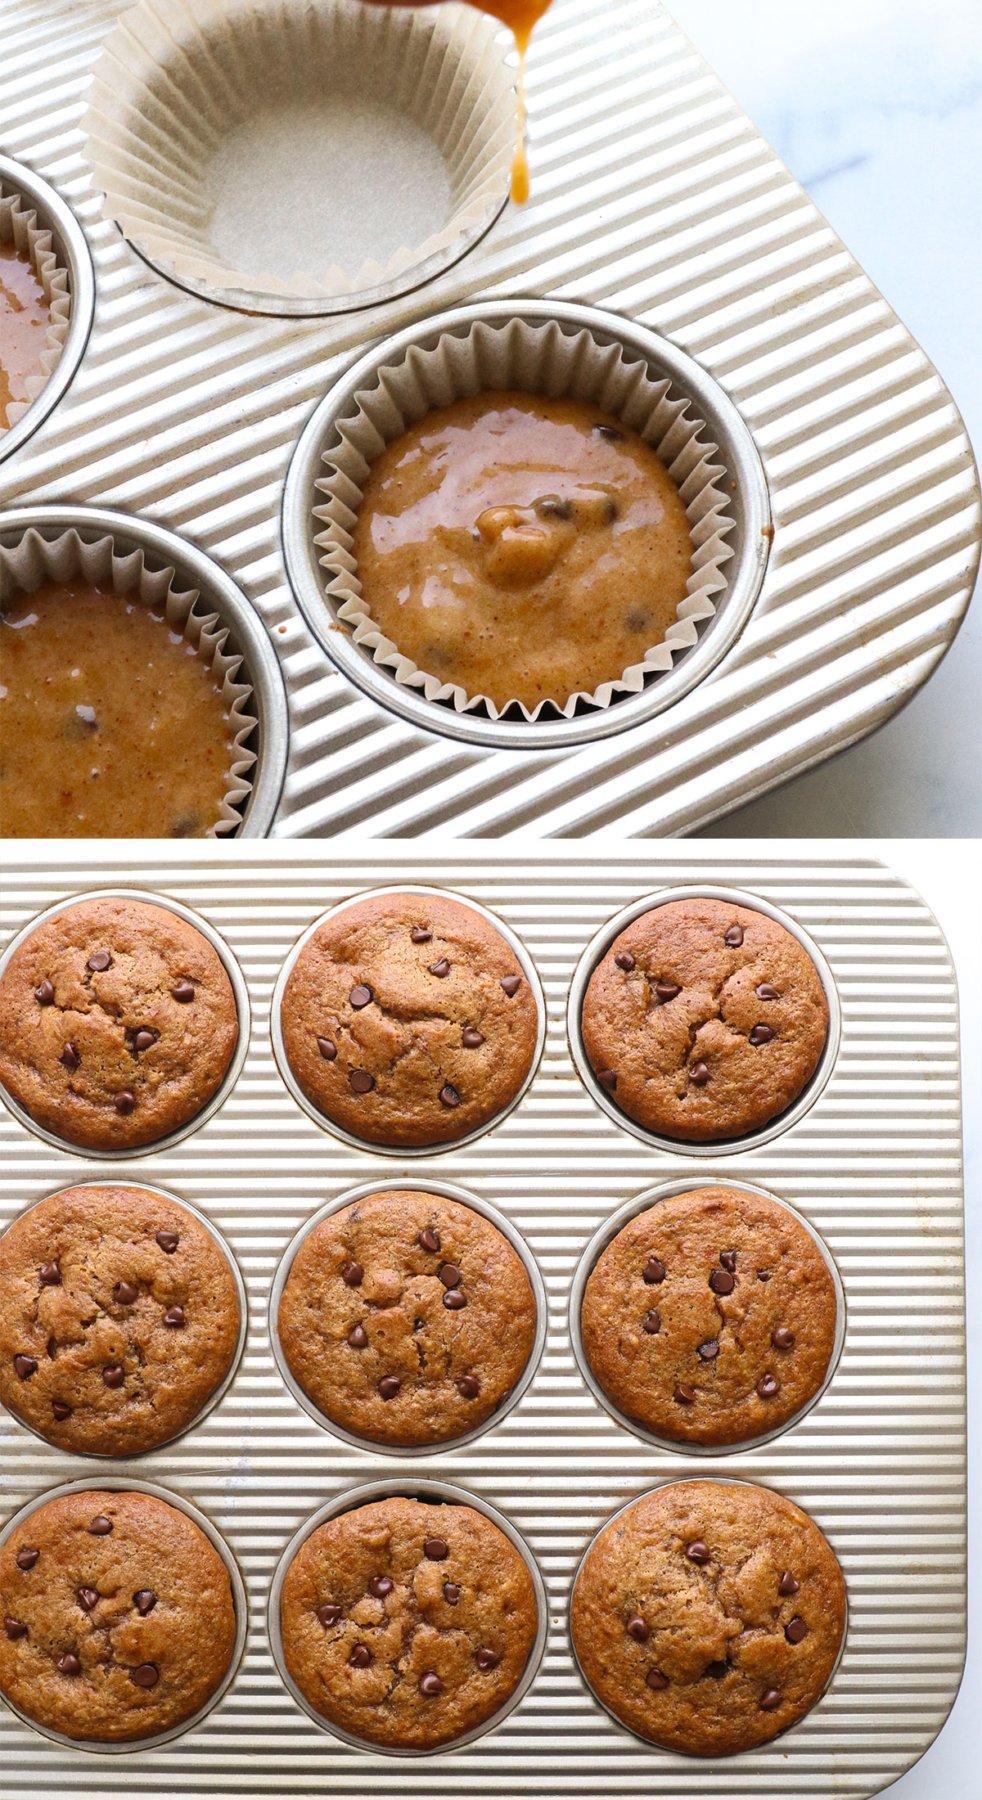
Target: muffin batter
[
  {"x": 110, "y": 723},
  {"x": 24, "y": 321},
  {"x": 522, "y": 547}
]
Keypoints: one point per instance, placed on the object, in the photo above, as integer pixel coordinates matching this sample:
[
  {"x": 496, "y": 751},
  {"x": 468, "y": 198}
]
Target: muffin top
[
  {"x": 407, "y": 1318},
  {"x": 117, "y": 1023},
  {"x": 119, "y": 1317},
  {"x": 704, "y": 1020},
  {"x": 118, "y": 1616},
  {"x": 408, "y": 1624},
  {"x": 710, "y": 1318},
  {"x": 708, "y": 1616},
  {"x": 407, "y": 1019}
]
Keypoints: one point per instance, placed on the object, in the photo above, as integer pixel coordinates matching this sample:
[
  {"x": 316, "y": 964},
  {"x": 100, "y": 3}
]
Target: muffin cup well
[
  {"x": 448, "y": 1191},
  {"x": 37, "y": 221},
  {"x": 434, "y": 1493},
  {"x": 727, "y": 1481},
  {"x": 597, "y": 949},
  {"x": 210, "y": 124},
  {"x": 605, "y": 1234},
  {"x": 213, "y": 1399},
  {"x": 405, "y": 1151},
  {"x": 242, "y": 1008},
  {"x": 240, "y": 1600}
]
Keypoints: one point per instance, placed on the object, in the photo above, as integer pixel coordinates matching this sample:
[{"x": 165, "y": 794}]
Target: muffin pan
[
  {"x": 653, "y": 198},
  {"x": 878, "y": 1461},
  {"x": 68, "y": 242}
]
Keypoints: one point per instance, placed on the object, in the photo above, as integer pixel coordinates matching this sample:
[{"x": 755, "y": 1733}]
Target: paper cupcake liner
[
  {"x": 534, "y": 359},
  {"x": 178, "y": 78},
  {"x": 19, "y": 226},
  {"x": 36, "y": 559}
]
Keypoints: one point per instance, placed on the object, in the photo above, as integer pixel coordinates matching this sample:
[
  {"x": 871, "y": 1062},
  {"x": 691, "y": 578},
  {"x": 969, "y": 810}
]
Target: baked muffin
[
  {"x": 708, "y": 1616},
  {"x": 119, "y": 1621},
  {"x": 710, "y": 1318},
  {"x": 407, "y": 1020},
  {"x": 119, "y": 1318},
  {"x": 407, "y": 1625},
  {"x": 407, "y": 1318},
  {"x": 117, "y": 1023},
  {"x": 704, "y": 1020}
]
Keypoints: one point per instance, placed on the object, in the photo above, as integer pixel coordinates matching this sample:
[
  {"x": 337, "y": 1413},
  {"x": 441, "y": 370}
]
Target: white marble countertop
[{"x": 876, "y": 107}]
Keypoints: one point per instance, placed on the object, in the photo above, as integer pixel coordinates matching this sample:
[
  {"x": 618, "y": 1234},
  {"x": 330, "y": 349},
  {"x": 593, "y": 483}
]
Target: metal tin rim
[
  {"x": 751, "y": 506},
  {"x": 240, "y": 1603},
  {"x": 447, "y": 1190},
  {"x": 219, "y": 1393},
  {"x": 597, "y": 948},
  {"x": 248, "y": 637},
  {"x": 604, "y": 1235},
  {"x": 74, "y": 255},
  {"x": 432, "y": 1491},
  {"x": 650, "y": 1743},
  {"x": 242, "y": 1007},
  {"x": 404, "y": 1150}
]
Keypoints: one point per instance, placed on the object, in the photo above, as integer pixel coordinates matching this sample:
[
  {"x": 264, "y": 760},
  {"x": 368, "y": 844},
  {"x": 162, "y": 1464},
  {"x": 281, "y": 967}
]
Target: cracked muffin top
[
  {"x": 408, "y": 1020},
  {"x": 407, "y": 1318},
  {"x": 117, "y": 1023},
  {"x": 408, "y": 1624},
  {"x": 704, "y": 1020},
  {"x": 708, "y": 1616},
  {"x": 119, "y": 1621},
  {"x": 119, "y": 1318},
  {"x": 710, "y": 1318}
]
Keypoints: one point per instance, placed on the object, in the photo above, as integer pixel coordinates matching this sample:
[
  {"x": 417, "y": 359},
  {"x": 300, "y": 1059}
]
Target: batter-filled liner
[{"x": 20, "y": 226}]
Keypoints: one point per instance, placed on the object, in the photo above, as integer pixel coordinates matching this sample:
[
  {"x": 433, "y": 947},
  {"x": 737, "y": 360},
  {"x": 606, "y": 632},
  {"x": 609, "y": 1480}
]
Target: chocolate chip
[
  {"x": 471, "y": 1038},
  {"x": 98, "y": 961},
  {"x": 449, "y": 1096},
  {"x": 728, "y": 1260},
  {"x": 651, "y": 1323},
  {"x": 144, "y": 1600},
  {"x": 358, "y": 1337},
  {"x": 709, "y": 1351},
  {"x": 698, "y": 1552},
  {"x": 183, "y": 992},
  {"x": 796, "y": 1631},
  {"x": 61, "y": 1410},
  {"x": 124, "y": 1293},
  {"x": 610, "y": 432},
  {"x": 734, "y": 937},
  {"x": 69, "y": 1057},
  {"x": 379, "y": 1586},
  {"x": 328, "y": 1615},
  {"x": 69, "y": 1664},
  {"x": 420, "y": 934},
  {"x": 511, "y": 985},
  {"x": 328, "y": 1050},
  {"x": 761, "y": 1034},
  {"x": 451, "y": 1593},
  {"x": 436, "y": 1549},
  {"x": 389, "y": 1386},
  {"x": 553, "y": 508},
  {"x": 766, "y": 992},
  {"x": 454, "y": 1300},
  {"x": 788, "y": 1584},
  {"x": 430, "y": 1684},
  {"x": 768, "y": 1386},
  {"x": 174, "y": 1317},
  {"x": 763, "y": 1274},
  {"x": 486, "y": 1659},
  {"x": 360, "y": 1082},
  {"x": 88, "y": 1599},
  {"x": 608, "y": 1079},
  {"x": 144, "y": 1040},
  {"x": 656, "y": 1680},
  {"x": 352, "y": 1274},
  {"x": 770, "y": 1701},
  {"x": 360, "y": 996},
  {"x": 654, "y": 1271},
  {"x": 429, "y": 1240},
  {"x": 666, "y": 991},
  {"x": 782, "y": 1338},
  {"x": 716, "y": 1670},
  {"x": 440, "y": 969},
  {"x": 638, "y": 1630},
  {"x": 468, "y": 1387},
  {"x": 25, "y": 1367},
  {"x": 722, "y": 1282},
  {"x": 683, "y": 1395},
  {"x": 360, "y": 1656},
  {"x": 145, "y": 1675},
  {"x": 449, "y": 1274},
  {"x": 26, "y": 1558},
  {"x": 15, "y": 1628},
  {"x": 625, "y": 961},
  {"x": 125, "y": 1103},
  {"x": 44, "y": 994},
  {"x": 113, "y": 1375},
  {"x": 699, "y": 1074},
  {"x": 168, "y": 1241}
]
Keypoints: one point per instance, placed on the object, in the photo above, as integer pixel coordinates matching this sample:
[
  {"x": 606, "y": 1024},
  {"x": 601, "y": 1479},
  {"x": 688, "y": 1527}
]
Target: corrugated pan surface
[
  {"x": 879, "y": 1461},
  {"x": 652, "y": 194}
]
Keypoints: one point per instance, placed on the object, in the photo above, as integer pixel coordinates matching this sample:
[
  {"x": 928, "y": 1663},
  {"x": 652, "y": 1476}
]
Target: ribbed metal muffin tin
[
  {"x": 652, "y": 196},
  {"x": 879, "y": 1461}
]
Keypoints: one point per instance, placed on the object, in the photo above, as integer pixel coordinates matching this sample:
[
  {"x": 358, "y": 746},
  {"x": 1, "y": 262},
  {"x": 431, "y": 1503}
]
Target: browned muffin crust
[
  {"x": 710, "y": 1318},
  {"x": 408, "y": 1625},
  {"x": 407, "y": 1318},
  {"x": 119, "y": 1621},
  {"x": 117, "y": 1023},
  {"x": 119, "y": 1318},
  {"x": 407, "y": 1019},
  {"x": 704, "y": 1020},
  {"x": 708, "y": 1616}
]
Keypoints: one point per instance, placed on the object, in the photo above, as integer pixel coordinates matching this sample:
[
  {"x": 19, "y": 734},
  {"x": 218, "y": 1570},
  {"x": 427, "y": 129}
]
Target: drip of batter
[{"x": 24, "y": 320}]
